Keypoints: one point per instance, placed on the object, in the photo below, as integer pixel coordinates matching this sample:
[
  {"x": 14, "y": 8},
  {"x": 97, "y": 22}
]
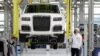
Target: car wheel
[
  {"x": 22, "y": 37},
  {"x": 61, "y": 38},
  {"x": 55, "y": 46},
  {"x": 33, "y": 46}
]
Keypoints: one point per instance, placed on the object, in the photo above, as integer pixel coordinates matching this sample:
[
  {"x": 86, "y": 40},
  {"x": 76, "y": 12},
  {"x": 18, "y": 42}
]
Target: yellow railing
[
  {"x": 16, "y": 4},
  {"x": 68, "y": 17},
  {"x": 15, "y": 18}
]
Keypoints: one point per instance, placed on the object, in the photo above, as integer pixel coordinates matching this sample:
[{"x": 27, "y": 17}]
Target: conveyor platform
[{"x": 45, "y": 52}]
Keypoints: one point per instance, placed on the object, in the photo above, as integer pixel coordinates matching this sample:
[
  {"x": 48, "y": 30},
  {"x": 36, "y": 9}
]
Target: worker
[{"x": 76, "y": 42}]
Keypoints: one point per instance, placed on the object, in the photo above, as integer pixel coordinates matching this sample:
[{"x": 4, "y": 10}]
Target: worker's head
[{"x": 76, "y": 30}]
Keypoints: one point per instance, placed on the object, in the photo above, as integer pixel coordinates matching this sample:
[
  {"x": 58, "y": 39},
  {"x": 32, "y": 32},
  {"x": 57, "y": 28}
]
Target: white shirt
[{"x": 76, "y": 40}]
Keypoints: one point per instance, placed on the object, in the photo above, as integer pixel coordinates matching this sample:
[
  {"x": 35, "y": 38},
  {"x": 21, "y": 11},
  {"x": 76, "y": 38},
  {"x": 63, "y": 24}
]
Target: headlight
[
  {"x": 25, "y": 28},
  {"x": 25, "y": 19},
  {"x": 57, "y": 28},
  {"x": 57, "y": 19}
]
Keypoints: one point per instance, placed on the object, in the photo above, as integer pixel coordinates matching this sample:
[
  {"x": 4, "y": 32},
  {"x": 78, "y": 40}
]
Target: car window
[{"x": 42, "y": 8}]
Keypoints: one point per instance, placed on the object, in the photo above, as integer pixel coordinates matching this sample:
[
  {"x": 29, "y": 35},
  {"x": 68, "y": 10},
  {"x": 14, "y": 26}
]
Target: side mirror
[{"x": 63, "y": 11}]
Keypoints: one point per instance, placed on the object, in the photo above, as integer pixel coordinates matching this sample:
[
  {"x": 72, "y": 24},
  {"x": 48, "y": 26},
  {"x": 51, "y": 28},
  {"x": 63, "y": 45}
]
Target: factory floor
[{"x": 45, "y": 52}]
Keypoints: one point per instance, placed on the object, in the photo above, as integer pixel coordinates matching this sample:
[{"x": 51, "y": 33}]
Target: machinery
[{"x": 42, "y": 23}]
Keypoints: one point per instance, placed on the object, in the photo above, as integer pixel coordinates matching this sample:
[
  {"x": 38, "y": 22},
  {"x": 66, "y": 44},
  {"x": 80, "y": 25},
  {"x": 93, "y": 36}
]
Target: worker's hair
[{"x": 77, "y": 29}]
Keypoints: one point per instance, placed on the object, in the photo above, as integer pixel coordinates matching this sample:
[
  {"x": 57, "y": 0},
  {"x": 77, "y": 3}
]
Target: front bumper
[{"x": 42, "y": 32}]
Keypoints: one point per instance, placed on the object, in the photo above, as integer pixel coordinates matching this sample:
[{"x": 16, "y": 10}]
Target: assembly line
[{"x": 49, "y": 28}]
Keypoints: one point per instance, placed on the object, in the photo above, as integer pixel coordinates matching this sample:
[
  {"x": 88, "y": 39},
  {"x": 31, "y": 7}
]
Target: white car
[{"x": 42, "y": 24}]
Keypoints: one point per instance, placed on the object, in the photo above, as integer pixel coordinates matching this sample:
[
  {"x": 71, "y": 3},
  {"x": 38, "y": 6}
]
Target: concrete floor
[{"x": 45, "y": 52}]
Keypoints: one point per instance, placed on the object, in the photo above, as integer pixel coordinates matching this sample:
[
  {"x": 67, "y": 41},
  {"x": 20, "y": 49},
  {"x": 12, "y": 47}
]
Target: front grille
[{"x": 41, "y": 23}]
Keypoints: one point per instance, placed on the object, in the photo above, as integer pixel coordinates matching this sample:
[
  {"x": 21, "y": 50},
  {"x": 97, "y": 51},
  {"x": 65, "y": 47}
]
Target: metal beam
[
  {"x": 82, "y": 20},
  {"x": 5, "y": 23},
  {"x": 75, "y": 13},
  {"x": 7, "y": 18},
  {"x": 81, "y": 12},
  {"x": 90, "y": 26}
]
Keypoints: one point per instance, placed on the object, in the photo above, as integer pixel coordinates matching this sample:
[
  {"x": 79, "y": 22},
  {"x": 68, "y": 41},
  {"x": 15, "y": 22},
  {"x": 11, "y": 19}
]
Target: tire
[
  {"x": 33, "y": 46},
  {"x": 55, "y": 46},
  {"x": 22, "y": 38},
  {"x": 61, "y": 38}
]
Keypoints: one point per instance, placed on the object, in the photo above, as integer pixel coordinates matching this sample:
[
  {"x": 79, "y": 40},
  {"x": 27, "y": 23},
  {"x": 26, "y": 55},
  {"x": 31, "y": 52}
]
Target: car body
[{"x": 46, "y": 20}]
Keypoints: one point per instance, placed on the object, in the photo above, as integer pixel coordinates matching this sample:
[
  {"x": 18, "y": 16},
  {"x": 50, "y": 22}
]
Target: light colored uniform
[{"x": 76, "y": 41}]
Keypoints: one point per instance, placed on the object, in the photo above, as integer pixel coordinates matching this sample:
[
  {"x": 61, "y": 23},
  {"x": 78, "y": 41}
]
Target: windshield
[{"x": 42, "y": 8}]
